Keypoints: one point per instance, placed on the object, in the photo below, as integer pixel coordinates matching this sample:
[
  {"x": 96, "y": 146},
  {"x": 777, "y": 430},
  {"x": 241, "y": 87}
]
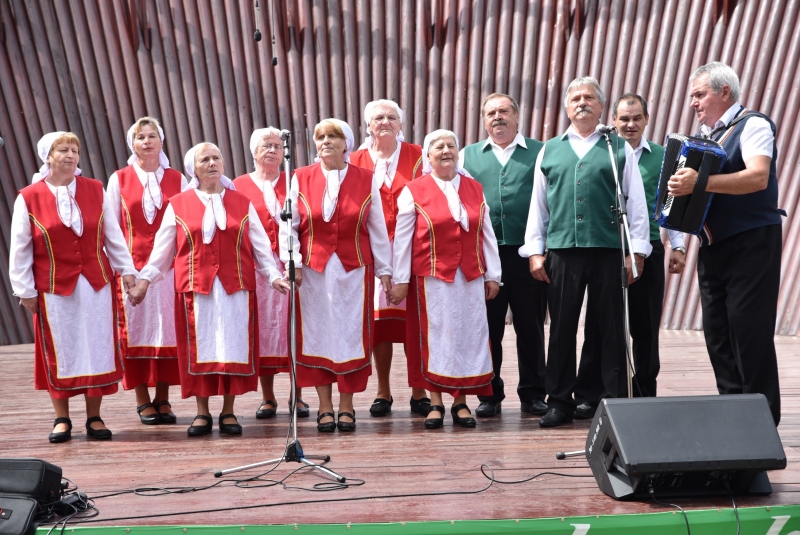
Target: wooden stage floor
[{"x": 392, "y": 455}]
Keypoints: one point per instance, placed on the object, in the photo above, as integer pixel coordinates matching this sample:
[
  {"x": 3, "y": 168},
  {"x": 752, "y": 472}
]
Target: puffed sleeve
[
  {"x": 114, "y": 242},
  {"x": 262, "y": 248},
  {"x": 158, "y": 265},
  {"x": 403, "y": 234},
  {"x": 20, "y": 255},
  {"x": 378, "y": 235}
]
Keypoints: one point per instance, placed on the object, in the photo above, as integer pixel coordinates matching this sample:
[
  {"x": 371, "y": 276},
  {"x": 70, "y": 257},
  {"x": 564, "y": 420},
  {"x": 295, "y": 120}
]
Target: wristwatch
[{"x": 679, "y": 249}]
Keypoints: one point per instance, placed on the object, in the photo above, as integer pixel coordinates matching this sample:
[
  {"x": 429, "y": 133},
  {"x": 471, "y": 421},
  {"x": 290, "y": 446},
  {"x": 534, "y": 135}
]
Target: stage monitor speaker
[
  {"x": 33, "y": 478},
  {"x": 684, "y": 446}
]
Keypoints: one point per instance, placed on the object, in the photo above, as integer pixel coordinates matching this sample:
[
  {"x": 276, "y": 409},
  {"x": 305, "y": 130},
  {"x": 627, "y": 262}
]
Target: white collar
[
  {"x": 442, "y": 183},
  {"x": 726, "y": 118},
  {"x": 572, "y": 133},
  {"x": 518, "y": 140}
]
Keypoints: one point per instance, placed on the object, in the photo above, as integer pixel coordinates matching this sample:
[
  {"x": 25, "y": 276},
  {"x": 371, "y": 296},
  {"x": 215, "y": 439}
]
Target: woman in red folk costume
[
  {"x": 147, "y": 332},
  {"x": 216, "y": 239},
  {"x": 63, "y": 249},
  {"x": 393, "y": 164},
  {"x": 266, "y": 189},
  {"x": 340, "y": 238},
  {"x": 446, "y": 249}
]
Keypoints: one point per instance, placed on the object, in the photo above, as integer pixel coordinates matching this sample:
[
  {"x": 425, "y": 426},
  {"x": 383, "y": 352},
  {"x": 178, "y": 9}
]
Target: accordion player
[{"x": 687, "y": 213}]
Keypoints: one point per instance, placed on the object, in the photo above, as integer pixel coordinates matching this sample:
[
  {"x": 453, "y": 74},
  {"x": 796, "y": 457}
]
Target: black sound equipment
[
  {"x": 684, "y": 446},
  {"x": 687, "y": 213},
  {"x": 33, "y": 478},
  {"x": 17, "y": 514}
]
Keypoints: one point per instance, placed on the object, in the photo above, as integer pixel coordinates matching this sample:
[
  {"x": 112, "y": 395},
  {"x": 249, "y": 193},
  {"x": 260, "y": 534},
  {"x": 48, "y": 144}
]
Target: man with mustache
[
  {"x": 646, "y": 296},
  {"x": 503, "y": 164},
  {"x": 739, "y": 262},
  {"x": 572, "y": 241}
]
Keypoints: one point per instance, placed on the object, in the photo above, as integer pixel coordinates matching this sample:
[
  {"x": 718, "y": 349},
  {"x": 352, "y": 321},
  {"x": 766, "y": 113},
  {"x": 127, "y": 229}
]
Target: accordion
[{"x": 687, "y": 213}]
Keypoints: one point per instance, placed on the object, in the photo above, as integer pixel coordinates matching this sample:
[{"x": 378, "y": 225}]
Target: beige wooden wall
[{"x": 94, "y": 66}]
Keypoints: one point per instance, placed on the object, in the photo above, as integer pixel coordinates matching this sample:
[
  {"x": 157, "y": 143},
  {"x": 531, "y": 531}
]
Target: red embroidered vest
[
  {"x": 139, "y": 234},
  {"x": 440, "y": 244},
  {"x": 245, "y": 185},
  {"x": 59, "y": 255},
  {"x": 409, "y": 167},
  {"x": 229, "y": 256},
  {"x": 346, "y": 233}
]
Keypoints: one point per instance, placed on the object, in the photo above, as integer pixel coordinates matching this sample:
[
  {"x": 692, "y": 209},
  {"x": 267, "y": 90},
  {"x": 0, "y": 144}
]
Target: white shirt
[
  {"x": 382, "y": 172},
  {"x": 502, "y": 154},
  {"x": 404, "y": 234},
  {"x": 113, "y": 191},
  {"x": 20, "y": 269},
  {"x": 158, "y": 265},
  {"x": 675, "y": 236},
  {"x": 757, "y": 138},
  {"x": 632, "y": 187}
]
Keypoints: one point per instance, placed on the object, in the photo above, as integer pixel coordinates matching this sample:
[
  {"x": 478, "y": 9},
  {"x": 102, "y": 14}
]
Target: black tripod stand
[{"x": 293, "y": 451}]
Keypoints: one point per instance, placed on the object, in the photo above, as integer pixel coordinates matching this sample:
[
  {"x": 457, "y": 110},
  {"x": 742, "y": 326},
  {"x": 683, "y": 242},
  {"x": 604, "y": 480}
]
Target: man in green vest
[
  {"x": 572, "y": 241},
  {"x": 503, "y": 164},
  {"x": 646, "y": 296}
]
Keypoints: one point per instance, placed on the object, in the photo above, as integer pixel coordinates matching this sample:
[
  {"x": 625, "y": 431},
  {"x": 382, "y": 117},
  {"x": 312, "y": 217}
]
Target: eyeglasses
[{"x": 271, "y": 146}]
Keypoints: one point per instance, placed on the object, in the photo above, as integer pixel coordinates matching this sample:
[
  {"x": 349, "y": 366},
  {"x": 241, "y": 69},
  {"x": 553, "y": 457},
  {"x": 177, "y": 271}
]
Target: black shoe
[
  {"x": 200, "y": 430},
  {"x": 267, "y": 409},
  {"x": 99, "y": 434},
  {"x": 229, "y": 429},
  {"x": 488, "y": 408},
  {"x": 536, "y": 407},
  {"x": 435, "y": 423},
  {"x": 381, "y": 407},
  {"x": 347, "y": 426},
  {"x": 302, "y": 408},
  {"x": 469, "y": 421},
  {"x": 421, "y": 405},
  {"x": 166, "y": 417},
  {"x": 61, "y": 436},
  {"x": 150, "y": 419},
  {"x": 584, "y": 411},
  {"x": 327, "y": 427},
  {"x": 554, "y": 418}
]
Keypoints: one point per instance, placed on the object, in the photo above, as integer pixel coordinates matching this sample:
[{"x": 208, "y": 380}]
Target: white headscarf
[
  {"x": 270, "y": 198},
  {"x": 43, "y": 150},
  {"x": 369, "y": 108},
  {"x": 162, "y": 158},
  {"x": 348, "y": 136},
  {"x": 457, "y": 208},
  {"x": 214, "y": 216},
  {"x": 152, "y": 198}
]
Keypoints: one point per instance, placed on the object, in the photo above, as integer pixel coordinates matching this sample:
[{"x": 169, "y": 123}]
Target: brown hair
[
  {"x": 66, "y": 137},
  {"x": 328, "y": 127}
]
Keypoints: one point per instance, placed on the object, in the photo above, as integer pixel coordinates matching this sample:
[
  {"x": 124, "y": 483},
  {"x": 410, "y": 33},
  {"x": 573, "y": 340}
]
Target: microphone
[
  {"x": 285, "y": 134},
  {"x": 604, "y": 130},
  {"x": 257, "y": 34}
]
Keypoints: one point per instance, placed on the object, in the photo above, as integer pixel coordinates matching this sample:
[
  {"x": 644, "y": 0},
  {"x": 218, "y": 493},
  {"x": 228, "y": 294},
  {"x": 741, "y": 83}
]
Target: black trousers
[
  {"x": 645, "y": 303},
  {"x": 739, "y": 283},
  {"x": 527, "y": 298},
  {"x": 571, "y": 272}
]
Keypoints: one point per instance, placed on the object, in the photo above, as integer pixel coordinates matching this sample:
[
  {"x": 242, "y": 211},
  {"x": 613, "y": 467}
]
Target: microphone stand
[
  {"x": 293, "y": 452},
  {"x": 621, "y": 209}
]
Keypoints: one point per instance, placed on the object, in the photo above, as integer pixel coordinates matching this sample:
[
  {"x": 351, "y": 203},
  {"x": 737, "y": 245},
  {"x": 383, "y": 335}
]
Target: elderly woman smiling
[
  {"x": 62, "y": 252},
  {"x": 217, "y": 240},
  {"x": 340, "y": 237},
  {"x": 445, "y": 248}
]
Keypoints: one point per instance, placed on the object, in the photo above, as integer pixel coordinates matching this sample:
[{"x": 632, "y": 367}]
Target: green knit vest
[
  {"x": 650, "y": 167},
  {"x": 507, "y": 188},
  {"x": 581, "y": 194}
]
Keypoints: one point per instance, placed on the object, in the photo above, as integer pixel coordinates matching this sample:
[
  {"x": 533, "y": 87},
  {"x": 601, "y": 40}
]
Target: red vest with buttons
[
  {"x": 139, "y": 234},
  {"x": 245, "y": 185},
  {"x": 346, "y": 233},
  {"x": 440, "y": 244},
  {"x": 229, "y": 256},
  {"x": 409, "y": 167},
  {"x": 60, "y": 255}
]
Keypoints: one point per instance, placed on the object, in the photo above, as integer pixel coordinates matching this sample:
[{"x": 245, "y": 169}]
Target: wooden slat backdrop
[{"x": 93, "y": 67}]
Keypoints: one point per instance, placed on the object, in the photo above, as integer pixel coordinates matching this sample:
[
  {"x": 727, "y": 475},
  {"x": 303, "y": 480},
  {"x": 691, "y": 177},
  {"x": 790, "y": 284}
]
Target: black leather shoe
[
  {"x": 488, "y": 408},
  {"x": 267, "y": 409},
  {"x": 200, "y": 430},
  {"x": 469, "y": 421},
  {"x": 435, "y": 423},
  {"x": 381, "y": 407},
  {"x": 301, "y": 408},
  {"x": 327, "y": 427},
  {"x": 149, "y": 419},
  {"x": 347, "y": 426},
  {"x": 421, "y": 406},
  {"x": 166, "y": 417},
  {"x": 61, "y": 436},
  {"x": 584, "y": 411},
  {"x": 229, "y": 429},
  {"x": 536, "y": 407},
  {"x": 554, "y": 418},
  {"x": 99, "y": 434}
]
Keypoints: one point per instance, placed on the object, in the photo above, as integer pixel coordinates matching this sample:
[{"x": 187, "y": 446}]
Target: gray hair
[
  {"x": 719, "y": 75},
  {"x": 583, "y": 81},
  {"x": 514, "y": 104},
  {"x": 369, "y": 109}
]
